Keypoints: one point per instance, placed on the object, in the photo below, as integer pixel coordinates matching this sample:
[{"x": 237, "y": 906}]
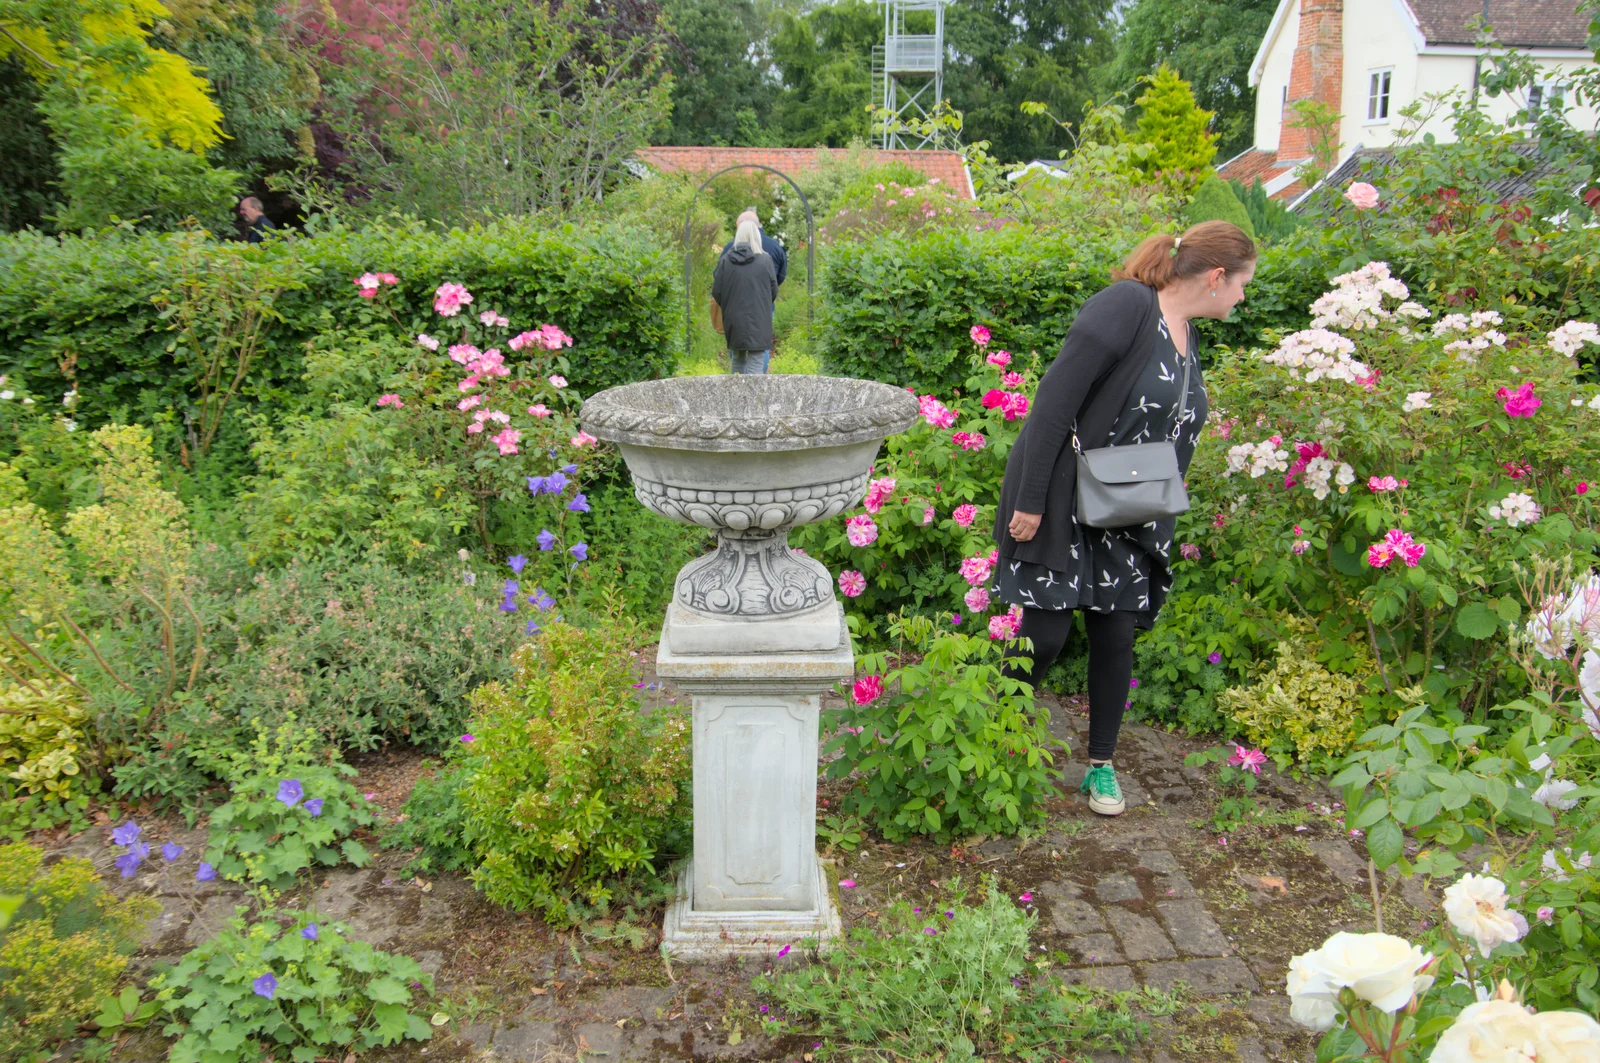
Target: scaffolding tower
[{"x": 908, "y": 68}]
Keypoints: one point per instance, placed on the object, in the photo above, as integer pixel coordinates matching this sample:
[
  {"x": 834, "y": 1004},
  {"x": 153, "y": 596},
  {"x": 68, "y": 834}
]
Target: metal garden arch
[{"x": 688, "y": 251}]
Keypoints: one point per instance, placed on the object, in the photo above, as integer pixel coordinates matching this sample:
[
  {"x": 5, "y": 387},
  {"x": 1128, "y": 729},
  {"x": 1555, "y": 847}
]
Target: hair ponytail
[{"x": 1163, "y": 258}]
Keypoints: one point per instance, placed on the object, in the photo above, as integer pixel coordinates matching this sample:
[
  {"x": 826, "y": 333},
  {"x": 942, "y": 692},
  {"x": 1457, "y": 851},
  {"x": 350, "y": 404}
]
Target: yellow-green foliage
[
  {"x": 1297, "y": 704},
  {"x": 138, "y": 534},
  {"x": 43, "y": 728},
  {"x": 64, "y": 949},
  {"x": 570, "y": 782}
]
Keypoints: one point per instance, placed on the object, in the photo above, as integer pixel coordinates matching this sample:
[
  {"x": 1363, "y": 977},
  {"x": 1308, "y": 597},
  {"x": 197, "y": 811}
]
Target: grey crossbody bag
[{"x": 1120, "y": 487}]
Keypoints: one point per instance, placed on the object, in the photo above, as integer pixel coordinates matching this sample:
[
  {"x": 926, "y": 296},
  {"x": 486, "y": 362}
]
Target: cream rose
[
  {"x": 1498, "y": 1030},
  {"x": 1476, "y": 906},
  {"x": 1384, "y": 970}
]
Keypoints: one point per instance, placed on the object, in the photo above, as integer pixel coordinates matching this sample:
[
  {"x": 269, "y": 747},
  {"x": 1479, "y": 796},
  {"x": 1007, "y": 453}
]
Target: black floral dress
[{"x": 1122, "y": 568}]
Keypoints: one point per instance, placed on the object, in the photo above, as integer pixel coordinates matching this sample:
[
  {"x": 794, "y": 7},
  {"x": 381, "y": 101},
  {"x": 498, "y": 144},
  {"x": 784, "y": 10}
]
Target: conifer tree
[{"x": 1176, "y": 131}]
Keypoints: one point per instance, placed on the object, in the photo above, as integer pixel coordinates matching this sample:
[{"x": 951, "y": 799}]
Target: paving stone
[
  {"x": 1224, "y": 975},
  {"x": 529, "y": 1042},
  {"x": 212, "y": 917},
  {"x": 602, "y": 1038},
  {"x": 1171, "y": 795},
  {"x": 1118, "y": 886},
  {"x": 1114, "y": 978},
  {"x": 1177, "y": 887},
  {"x": 1252, "y": 1052},
  {"x": 1073, "y": 917},
  {"x": 1193, "y": 929},
  {"x": 430, "y": 960},
  {"x": 1141, "y": 938},
  {"x": 174, "y": 917},
  {"x": 1160, "y": 861},
  {"x": 479, "y": 1034},
  {"x": 1341, "y": 863},
  {"x": 1095, "y": 948}
]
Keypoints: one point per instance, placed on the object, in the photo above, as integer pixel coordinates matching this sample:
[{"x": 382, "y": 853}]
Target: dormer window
[{"x": 1378, "y": 84}]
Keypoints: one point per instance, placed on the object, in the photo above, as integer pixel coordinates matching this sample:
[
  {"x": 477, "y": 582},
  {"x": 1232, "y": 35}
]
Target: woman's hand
[{"x": 1024, "y": 525}]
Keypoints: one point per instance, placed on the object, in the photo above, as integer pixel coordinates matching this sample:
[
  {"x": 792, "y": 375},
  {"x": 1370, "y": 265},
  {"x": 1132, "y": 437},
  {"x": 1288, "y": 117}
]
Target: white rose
[
  {"x": 1498, "y": 1030},
  {"x": 1476, "y": 906},
  {"x": 1553, "y": 794},
  {"x": 1589, "y": 677},
  {"x": 1384, "y": 970}
]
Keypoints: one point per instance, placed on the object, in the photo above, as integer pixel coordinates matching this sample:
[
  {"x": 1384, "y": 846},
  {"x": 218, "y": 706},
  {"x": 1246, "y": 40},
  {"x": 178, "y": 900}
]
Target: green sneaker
[{"x": 1105, "y": 796}]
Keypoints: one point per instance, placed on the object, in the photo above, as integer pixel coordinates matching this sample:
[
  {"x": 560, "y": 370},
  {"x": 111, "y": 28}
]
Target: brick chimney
[{"x": 1317, "y": 72}]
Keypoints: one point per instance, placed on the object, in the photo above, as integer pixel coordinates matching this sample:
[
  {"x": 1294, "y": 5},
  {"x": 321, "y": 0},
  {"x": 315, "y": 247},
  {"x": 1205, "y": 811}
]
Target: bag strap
[{"x": 1183, "y": 404}]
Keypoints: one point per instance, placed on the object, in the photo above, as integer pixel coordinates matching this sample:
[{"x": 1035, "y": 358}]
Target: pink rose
[
  {"x": 935, "y": 412},
  {"x": 1521, "y": 402},
  {"x": 583, "y": 439},
  {"x": 1189, "y": 552},
  {"x": 507, "y": 441},
  {"x": 425, "y": 340},
  {"x": 448, "y": 299},
  {"x": 1382, "y": 483},
  {"x": 390, "y": 400},
  {"x": 1013, "y": 380},
  {"x": 980, "y": 335},
  {"x": 1003, "y": 626},
  {"x": 969, "y": 440},
  {"x": 867, "y": 689},
  {"x": 558, "y": 382},
  {"x": 1249, "y": 759},
  {"x": 977, "y": 599},
  {"x": 964, "y": 514},
  {"x": 877, "y": 491},
  {"x": 469, "y": 402},
  {"x": 1362, "y": 196},
  {"x": 928, "y": 514},
  {"x": 861, "y": 530},
  {"x": 852, "y": 583},
  {"x": 993, "y": 398},
  {"x": 975, "y": 570},
  {"x": 1000, "y": 358},
  {"x": 1014, "y": 405}
]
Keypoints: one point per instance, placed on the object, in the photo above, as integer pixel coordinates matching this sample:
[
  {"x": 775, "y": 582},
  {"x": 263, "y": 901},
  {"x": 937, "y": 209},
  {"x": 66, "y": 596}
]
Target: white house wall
[
  {"x": 1376, "y": 36},
  {"x": 1274, "y": 78}
]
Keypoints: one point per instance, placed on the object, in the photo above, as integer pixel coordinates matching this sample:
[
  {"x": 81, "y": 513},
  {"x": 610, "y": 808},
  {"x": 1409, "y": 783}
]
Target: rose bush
[{"x": 1382, "y": 476}]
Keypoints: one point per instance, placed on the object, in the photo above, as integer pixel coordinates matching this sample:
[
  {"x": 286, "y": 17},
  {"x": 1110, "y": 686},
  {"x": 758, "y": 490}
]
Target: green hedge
[
  {"x": 898, "y": 309},
  {"x": 88, "y": 300}
]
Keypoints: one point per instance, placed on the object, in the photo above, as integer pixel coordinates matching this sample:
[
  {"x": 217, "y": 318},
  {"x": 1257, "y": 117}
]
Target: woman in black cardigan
[{"x": 1115, "y": 383}]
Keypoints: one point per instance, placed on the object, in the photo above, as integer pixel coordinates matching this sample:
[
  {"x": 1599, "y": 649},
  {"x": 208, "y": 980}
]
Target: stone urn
[
  {"x": 749, "y": 457},
  {"x": 754, "y": 633}
]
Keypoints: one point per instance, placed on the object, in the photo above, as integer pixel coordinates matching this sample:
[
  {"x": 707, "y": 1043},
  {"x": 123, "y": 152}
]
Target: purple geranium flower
[
  {"x": 508, "y": 604},
  {"x": 128, "y": 862},
  {"x": 126, "y": 834},
  {"x": 555, "y": 483},
  {"x": 290, "y": 792},
  {"x": 310, "y": 932},
  {"x": 314, "y": 806},
  {"x": 545, "y": 539},
  {"x": 516, "y": 562},
  {"x": 569, "y": 469},
  {"x": 580, "y": 551},
  {"x": 536, "y": 485},
  {"x": 468, "y": 738},
  {"x": 206, "y": 872},
  {"x": 579, "y": 504},
  {"x": 533, "y": 627},
  {"x": 510, "y": 587},
  {"x": 540, "y": 600},
  {"x": 265, "y": 986},
  {"x": 171, "y": 851},
  {"x": 1214, "y": 657}
]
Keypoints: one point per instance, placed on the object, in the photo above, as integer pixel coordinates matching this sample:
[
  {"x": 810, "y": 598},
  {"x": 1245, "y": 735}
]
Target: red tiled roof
[
  {"x": 1516, "y": 23},
  {"x": 946, "y": 166},
  {"x": 1254, "y": 165}
]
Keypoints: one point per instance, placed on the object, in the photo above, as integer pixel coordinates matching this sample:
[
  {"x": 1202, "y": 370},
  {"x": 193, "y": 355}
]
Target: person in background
[
  {"x": 780, "y": 259},
  {"x": 256, "y": 223},
  {"x": 1115, "y": 383},
  {"x": 745, "y": 289}
]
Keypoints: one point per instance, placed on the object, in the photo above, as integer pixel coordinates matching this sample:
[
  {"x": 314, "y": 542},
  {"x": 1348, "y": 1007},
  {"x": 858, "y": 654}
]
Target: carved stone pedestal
[{"x": 755, "y": 884}]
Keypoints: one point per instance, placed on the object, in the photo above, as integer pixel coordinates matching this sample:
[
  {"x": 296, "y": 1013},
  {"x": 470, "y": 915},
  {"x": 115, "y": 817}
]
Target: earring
[{"x": 1213, "y": 293}]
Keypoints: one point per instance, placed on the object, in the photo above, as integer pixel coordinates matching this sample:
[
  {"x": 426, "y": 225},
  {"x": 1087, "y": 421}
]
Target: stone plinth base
[
  {"x": 697, "y": 633},
  {"x": 694, "y": 936},
  {"x": 754, "y": 883}
]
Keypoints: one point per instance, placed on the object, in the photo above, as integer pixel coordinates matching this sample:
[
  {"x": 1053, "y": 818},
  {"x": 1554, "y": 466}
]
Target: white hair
[{"x": 749, "y": 234}]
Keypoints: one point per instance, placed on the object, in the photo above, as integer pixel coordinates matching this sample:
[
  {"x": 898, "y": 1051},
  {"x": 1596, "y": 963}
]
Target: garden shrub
[
  {"x": 89, "y": 304},
  {"x": 432, "y": 823},
  {"x": 285, "y": 985},
  {"x": 945, "y": 744},
  {"x": 43, "y": 745},
  {"x": 933, "y": 506},
  {"x": 954, "y": 983},
  {"x": 1214, "y": 201},
  {"x": 365, "y": 652},
  {"x": 1200, "y": 644},
  {"x": 67, "y": 943},
  {"x": 1297, "y": 706},
  {"x": 1389, "y": 474},
  {"x": 288, "y": 808},
  {"x": 571, "y": 784}
]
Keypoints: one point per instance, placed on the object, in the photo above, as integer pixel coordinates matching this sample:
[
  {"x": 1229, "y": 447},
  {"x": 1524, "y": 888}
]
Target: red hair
[{"x": 1163, "y": 258}]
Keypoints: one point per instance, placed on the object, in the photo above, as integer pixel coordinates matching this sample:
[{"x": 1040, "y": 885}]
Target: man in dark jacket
[
  {"x": 745, "y": 287},
  {"x": 256, "y": 223},
  {"x": 780, "y": 258}
]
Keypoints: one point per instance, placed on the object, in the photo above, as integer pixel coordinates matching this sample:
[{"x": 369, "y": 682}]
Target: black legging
[{"x": 1110, "y": 665}]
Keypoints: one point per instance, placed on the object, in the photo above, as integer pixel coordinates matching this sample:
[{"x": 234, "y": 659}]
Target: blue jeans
[{"x": 749, "y": 362}]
